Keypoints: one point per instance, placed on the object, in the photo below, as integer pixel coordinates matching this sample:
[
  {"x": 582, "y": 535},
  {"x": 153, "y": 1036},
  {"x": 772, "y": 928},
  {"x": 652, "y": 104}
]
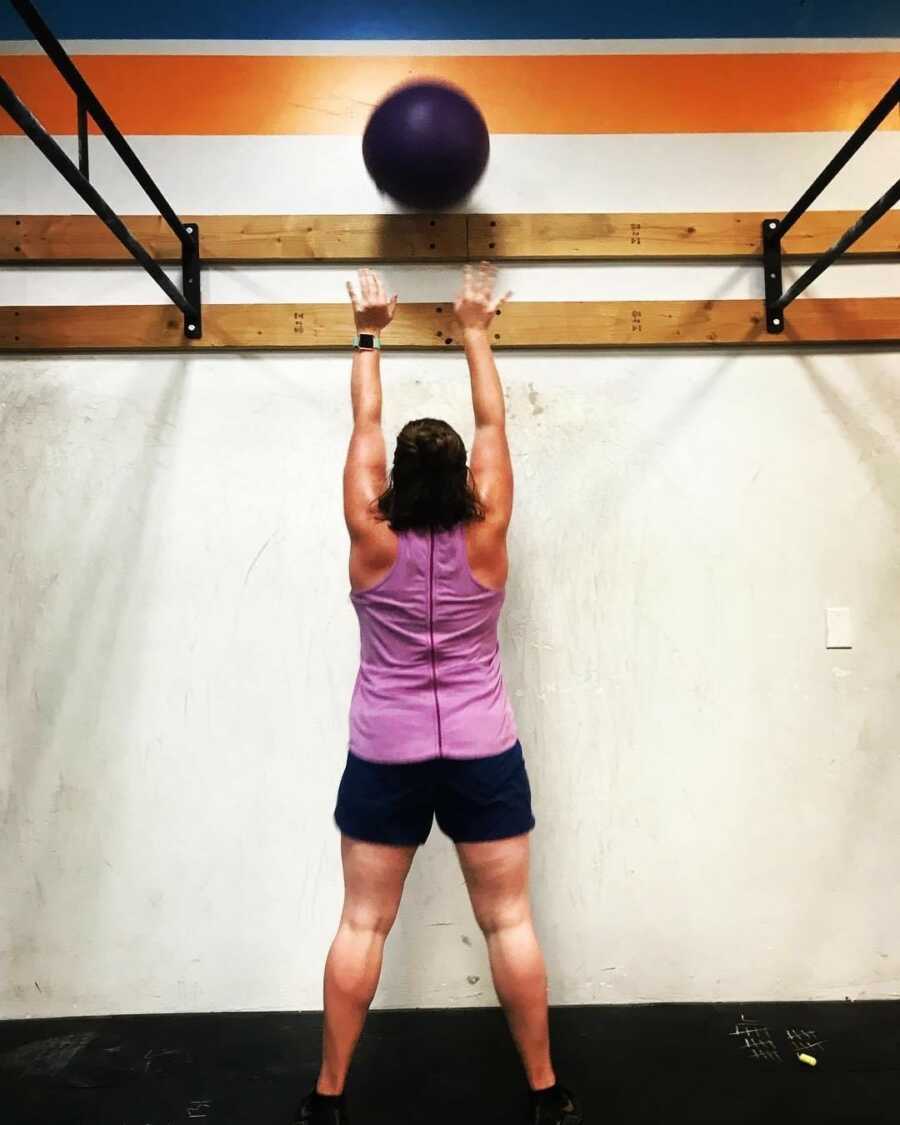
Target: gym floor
[{"x": 685, "y": 1063}]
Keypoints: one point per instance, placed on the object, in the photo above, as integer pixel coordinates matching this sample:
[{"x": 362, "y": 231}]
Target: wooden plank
[
  {"x": 587, "y": 324},
  {"x": 670, "y": 236},
  {"x": 48, "y": 239}
]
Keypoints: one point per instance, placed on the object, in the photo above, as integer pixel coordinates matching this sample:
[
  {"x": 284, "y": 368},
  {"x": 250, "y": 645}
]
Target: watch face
[{"x": 366, "y": 340}]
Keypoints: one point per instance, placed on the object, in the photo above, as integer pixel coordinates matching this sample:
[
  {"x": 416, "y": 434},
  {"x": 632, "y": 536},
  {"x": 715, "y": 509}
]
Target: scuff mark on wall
[{"x": 257, "y": 556}]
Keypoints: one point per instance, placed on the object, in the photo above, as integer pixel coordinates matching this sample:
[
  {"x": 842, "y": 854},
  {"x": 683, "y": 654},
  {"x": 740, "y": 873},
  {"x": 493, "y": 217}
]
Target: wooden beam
[
  {"x": 261, "y": 239},
  {"x": 670, "y": 236},
  {"x": 48, "y": 239},
  {"x": 587, "y": 324}
]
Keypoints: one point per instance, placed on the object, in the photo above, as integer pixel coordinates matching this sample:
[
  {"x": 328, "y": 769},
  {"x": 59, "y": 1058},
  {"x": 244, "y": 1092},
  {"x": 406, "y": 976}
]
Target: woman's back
[{"x": 430, "y": 682}]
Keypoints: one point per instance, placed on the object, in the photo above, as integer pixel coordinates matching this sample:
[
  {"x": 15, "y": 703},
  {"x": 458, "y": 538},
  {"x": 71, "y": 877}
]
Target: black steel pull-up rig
[
  {"x": 188, "y": 297},
  {"x": 679, "y": 324}
]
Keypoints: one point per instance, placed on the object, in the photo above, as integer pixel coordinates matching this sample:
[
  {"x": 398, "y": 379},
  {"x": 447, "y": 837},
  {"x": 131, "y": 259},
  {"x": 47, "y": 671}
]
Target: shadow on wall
[
  {"x": 529, "y": 626},
  {"x": 68, "y": 593},
  {"x": 877, "y": 451},
  {"x": 866, "y": 411},
  {"x": 876, "y": 774},
  {"x": 655, "y": 441}
]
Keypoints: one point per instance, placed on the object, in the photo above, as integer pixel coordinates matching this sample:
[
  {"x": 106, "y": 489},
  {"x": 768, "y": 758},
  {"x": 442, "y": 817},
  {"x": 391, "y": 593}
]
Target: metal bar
[
  {"x": 771, "y": 243},
  {"x": 72, "y": 75},
  {"x": 190, "y": 282},
  {"x": 859, "y": 228},
  {"x": 33, "y": 129},
  {"x": 837, "y": 162},
  {"x": 83, "y": 162}
]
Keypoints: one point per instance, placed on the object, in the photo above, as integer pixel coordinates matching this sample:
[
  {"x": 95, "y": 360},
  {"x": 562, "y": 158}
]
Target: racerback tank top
[{"x": 429, "y": 683}]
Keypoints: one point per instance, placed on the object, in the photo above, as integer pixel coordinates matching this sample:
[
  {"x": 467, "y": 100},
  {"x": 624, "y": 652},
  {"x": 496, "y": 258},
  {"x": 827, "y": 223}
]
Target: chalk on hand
[{"x": 808, "y": 1059}]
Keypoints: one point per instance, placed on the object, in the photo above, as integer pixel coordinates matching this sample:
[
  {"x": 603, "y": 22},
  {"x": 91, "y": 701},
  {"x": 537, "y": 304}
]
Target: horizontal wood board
[
  {"x": 586, "y": 324},
  {"x": 261, "y": 239}
]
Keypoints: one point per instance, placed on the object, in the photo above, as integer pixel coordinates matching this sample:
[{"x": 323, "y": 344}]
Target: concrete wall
[{"x": 715, "y": 790}]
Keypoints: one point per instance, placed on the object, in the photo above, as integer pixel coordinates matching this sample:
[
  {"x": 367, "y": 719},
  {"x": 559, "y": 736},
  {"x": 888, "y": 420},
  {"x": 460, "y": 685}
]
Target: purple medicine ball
[{"x": 426, "y": 145}]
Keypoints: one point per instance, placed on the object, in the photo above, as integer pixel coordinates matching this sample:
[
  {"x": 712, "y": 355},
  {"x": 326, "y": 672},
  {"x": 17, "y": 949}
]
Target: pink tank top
[{"x": 429, "y": 683}]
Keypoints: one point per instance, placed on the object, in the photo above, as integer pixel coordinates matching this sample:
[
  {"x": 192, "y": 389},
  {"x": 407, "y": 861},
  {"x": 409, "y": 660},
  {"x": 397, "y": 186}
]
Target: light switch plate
[{"x": 838, "y": 627}]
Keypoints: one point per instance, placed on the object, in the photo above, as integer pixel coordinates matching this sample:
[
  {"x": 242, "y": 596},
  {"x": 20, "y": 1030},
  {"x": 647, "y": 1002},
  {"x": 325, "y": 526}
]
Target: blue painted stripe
[{"x": 458, "y": 19}]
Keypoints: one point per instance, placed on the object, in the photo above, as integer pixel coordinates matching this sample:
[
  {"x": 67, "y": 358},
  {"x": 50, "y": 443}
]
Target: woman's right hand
[
  {"x": 372, "y": 310},
  {"x": 476, "y": 305}
]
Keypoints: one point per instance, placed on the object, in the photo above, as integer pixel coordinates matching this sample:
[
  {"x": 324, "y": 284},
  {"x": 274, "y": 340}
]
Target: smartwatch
[{"x": 366, "y": 340}]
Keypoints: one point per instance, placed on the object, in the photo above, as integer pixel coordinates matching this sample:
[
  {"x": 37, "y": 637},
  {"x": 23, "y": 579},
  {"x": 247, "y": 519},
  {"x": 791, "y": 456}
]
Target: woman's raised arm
[
  {"x": 489, "y": 461},
  {"x": 365, "y": 469}
]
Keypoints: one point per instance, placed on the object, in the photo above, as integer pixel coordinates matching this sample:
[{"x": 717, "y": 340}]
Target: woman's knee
[
  {"x": 376, "y": 919},
  {"x": 374, "y": 877},
  {"x": 496, "y": 874},
  {"x": 494, "y": 915}
]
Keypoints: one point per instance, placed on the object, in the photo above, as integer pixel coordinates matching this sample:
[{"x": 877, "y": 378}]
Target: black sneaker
[
  {"x": 318, "y": 1110},
  {"x": 556, "y": 1106}
]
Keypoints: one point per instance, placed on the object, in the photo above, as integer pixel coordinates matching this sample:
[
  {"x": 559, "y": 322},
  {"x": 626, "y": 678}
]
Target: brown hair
[{"x": 430, "y": 484}]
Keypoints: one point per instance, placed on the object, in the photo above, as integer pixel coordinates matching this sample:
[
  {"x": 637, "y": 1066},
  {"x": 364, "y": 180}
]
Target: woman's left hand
[{"x": 372, "y": 311}]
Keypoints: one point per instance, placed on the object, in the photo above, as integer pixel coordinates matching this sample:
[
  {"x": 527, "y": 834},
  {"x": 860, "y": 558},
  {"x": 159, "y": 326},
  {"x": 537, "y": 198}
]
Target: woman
[{"x": 432, "y": 731}]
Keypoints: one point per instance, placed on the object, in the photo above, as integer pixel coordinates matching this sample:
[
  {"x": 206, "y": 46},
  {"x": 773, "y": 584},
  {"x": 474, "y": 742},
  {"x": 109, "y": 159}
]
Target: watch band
[{"x": 367, "y": 340}]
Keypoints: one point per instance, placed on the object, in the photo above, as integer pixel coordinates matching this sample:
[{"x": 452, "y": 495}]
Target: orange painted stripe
[{"x": 212, "y": 94}]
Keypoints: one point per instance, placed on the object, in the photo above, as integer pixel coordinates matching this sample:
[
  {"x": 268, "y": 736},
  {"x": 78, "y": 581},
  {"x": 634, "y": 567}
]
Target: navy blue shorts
[{"x": 474, "y": 799}]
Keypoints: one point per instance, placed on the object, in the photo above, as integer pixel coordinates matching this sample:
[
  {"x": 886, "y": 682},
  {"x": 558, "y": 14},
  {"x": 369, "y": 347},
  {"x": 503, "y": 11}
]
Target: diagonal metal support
[
  {"x": 859, "y": 228},
  {"x": 773, "y": 230},
  {"x": 86, "y": 96},
  {"x": 78, "y": 175},
  {"x": 33, "y": 129},
  {"x": 849, "y": 149}
]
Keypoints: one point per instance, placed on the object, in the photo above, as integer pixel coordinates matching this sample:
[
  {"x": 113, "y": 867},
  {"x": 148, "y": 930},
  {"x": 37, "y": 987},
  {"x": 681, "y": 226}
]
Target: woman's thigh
[
  {"x": 497, "y": 874},
  {"x": 374, "y": 876}
]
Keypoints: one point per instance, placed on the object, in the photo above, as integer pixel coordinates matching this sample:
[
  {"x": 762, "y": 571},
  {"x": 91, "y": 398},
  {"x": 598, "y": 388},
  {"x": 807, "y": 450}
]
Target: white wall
[{"x": 715, "y": 791}]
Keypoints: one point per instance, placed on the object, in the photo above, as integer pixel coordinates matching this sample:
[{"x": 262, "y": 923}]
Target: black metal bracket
[
  {"x": 771, "y": 243},
  {"x": 188, "y": 297},
  {"x": 774, "y": 230},
  {"x": 190, "y": 281}
]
